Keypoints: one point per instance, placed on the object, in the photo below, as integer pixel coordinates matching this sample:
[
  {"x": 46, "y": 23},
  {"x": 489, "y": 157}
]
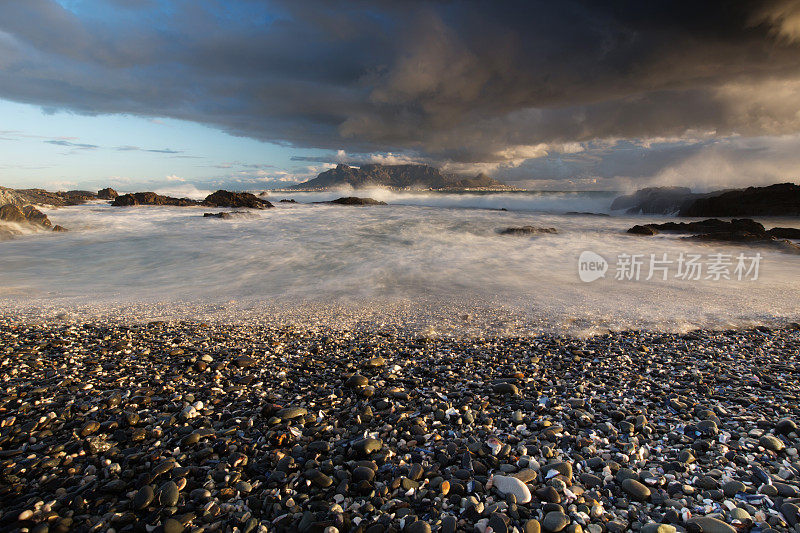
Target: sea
[{"x": 433, "y": 262}]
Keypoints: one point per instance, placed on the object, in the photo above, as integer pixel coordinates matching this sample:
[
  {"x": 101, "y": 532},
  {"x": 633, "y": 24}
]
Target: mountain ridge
[{"x": 404, "y": 177}]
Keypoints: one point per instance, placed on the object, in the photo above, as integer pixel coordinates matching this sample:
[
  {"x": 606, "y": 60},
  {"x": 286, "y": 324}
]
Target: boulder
[
  {"x": 107, "y": 194},
  {"x": 643, "y": 230},
  {"x": 150, "y": 198},
  {"x": 526, "y": 230},
  {"x": 781, "y": 199},
  {"x": 235, "y": 199},
  {"x": 355, "y": 200},
  {"x": 79, "y": 196},
  {"x": 59, "y": 228},
  {"x": 217, "y": 215}
]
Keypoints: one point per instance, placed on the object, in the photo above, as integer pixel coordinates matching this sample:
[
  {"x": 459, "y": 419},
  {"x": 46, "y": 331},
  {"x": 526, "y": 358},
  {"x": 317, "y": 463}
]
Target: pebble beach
[{"x": 182, "y": 426}]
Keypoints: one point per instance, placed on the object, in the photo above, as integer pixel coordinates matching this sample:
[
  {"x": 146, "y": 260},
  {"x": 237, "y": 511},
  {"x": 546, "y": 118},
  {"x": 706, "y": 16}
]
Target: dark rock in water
[
  {"x": 526, "y": 230},
  {"x": 586, "y": 214},
  {"x": 151, "y": 198},
  {"x": 785, "y": 233},
  {"x": 290, "y": 201},
  {"x": 217, "y": 215},
  {"x": 732, "y": 236},
  {"x": 655, "y": 200},
  {"x": 355, "y": 200},
  {"x": 781, "y": 199},
  {"x": 235, "y": 199},
  {"x": 712, "y": 225},
  {"x": 107, "y": 194},
  {"x": 59, "y": 228},
  {"x": 643, "y": 230},
  {"x": 226, "y": 215},
  {"x": 738, "y": 230}
]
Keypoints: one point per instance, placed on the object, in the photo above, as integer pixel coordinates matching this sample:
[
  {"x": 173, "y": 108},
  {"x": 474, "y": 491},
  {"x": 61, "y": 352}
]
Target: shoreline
[{"x": 178, "y": 426}]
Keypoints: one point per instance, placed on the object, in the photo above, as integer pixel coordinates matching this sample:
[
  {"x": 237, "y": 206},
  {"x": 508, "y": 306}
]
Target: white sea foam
[{"x": 439, "y": 263}]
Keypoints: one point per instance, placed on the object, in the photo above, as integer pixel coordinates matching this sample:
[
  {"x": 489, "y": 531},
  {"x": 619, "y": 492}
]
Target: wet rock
[
  {"x": 712, "y": 525},
  {"x": 555, "y": 521}
]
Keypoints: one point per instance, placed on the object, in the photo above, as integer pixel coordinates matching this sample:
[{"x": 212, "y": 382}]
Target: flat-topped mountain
[{"x": 397, "y": 177}]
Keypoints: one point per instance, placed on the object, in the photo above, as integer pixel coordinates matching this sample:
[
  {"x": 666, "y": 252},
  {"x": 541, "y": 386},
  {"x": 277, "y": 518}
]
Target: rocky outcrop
[
  {"x": 34, "y": 216},
  {"x": 22, "y": 197},
  {"x": 12, "y": 213},
  {"x": 397, "y": 177},
  {"x": 151, "y": 198},
  {"x": 711, "y": 225},
  {"x": 218, "y": 199},
  {"x": 643, "y": 230},
  {"x": 235, "y": 199},
  {"x": 782, "y": 199},
  {"x": 655, "y": 201},
  {"x": 107, "y": 194},
  {"x": 80, "y": 196},
  {"x": 785, "y": 233},
  {"x": 354, "y": 200},
  {"x": 230, "y": 214},
  {"x": 737, "y": 230},
  {"x": 526, "y": 230},
  {"x": 22, "y": 216}
]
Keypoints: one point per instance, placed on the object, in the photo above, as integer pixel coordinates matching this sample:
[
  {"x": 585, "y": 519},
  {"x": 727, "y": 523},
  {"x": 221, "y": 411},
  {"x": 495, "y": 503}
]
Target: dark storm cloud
[{"x": 457, "y": 81}]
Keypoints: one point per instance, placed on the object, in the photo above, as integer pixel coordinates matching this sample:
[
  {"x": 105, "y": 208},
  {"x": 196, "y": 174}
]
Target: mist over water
[{"x": 434, "y": 260}]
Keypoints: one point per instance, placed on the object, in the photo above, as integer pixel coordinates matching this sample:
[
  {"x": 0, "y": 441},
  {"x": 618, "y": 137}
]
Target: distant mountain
[{"x": 397, "y": 177}]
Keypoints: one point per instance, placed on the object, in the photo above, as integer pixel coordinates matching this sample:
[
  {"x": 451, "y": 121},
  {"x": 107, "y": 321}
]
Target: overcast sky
[{"x": 252, "y": 94}]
